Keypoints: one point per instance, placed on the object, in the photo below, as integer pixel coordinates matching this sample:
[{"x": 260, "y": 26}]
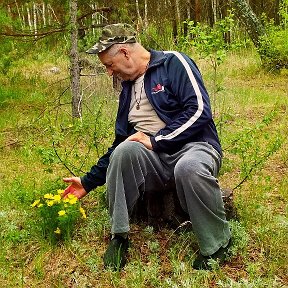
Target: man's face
[{"x": 117, "y": 63}]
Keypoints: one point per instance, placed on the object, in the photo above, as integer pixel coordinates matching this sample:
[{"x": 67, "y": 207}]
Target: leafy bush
[{"x": 274, "y": 49}]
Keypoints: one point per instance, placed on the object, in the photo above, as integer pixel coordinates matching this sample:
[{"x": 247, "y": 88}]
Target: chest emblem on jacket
[{"x": 158, "y": 88}]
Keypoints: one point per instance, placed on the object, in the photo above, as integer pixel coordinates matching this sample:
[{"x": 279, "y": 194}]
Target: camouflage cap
[{"x": 113, "y": 34}]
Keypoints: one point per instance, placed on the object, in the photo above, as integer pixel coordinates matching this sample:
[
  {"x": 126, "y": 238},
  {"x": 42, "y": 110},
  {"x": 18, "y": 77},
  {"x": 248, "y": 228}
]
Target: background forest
[{"x": 57, "y": 110}]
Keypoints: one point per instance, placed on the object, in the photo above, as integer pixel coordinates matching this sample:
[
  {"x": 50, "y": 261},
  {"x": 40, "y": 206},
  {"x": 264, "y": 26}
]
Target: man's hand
[
  {"x": 142, "y": 138},
  {"x": 74, "y": 188}
]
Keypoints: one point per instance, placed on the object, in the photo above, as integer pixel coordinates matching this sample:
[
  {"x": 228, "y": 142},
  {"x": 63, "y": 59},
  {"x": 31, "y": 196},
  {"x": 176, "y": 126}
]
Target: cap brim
[
  {"x": 98, "y": 48},
  {"x": 103, "y": 45}
]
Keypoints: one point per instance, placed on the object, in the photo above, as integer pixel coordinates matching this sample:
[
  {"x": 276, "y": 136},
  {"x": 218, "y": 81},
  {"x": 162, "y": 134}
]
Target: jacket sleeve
[
  {"x": 187, "y": 86},
  {"x": 97, "y": 175}
]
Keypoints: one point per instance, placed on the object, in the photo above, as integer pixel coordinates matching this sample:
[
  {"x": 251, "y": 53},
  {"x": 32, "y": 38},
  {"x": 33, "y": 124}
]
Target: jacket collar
[{"x": 157, "y": 58}]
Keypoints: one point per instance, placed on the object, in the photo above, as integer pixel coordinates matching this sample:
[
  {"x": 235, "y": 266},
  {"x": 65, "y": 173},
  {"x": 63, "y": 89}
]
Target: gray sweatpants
[{"x": 134, "y": 168}]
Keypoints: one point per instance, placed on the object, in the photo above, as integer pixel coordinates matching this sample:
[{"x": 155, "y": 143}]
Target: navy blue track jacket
[{"x": 175, "y": 89}]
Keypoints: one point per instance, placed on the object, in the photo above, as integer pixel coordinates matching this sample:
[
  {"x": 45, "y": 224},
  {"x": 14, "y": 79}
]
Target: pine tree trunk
[
  {"x": 74, "y": 59},
  {"x": 197, "y": 11},
  {"x": 276, "y": 13}
]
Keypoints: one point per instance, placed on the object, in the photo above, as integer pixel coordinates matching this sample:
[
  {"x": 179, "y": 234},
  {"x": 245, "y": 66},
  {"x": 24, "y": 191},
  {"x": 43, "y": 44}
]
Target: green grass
[{"x": 251, "y": 115}]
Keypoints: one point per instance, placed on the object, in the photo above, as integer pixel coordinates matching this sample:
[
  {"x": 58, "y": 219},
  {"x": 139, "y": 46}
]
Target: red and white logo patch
[{"x": 158, "y": 88}]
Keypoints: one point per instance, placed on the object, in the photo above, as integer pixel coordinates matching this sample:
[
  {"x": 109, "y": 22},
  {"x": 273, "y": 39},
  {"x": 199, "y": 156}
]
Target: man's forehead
[{"x": 105, "y": 58}]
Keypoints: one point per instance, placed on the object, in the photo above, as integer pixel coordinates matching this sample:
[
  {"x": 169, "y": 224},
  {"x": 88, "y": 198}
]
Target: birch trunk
[
  {"x": 44, "y": 14},
  {"x": 188, "y": 10},
  {"x": 252, "y": 24},
  {"x": 35, "y": 19},
  {"x": 140, "y": 21},
  {"x": 145, "y": 13},
  {"x": 53, "y": 13},
  {"x": 74, "y": 59},
  {"x": 21, "y": 19},
  {"x": 178, "y": 15},
  {"x": 214, "y": 9},
  {"x": 29, "y": 18}
]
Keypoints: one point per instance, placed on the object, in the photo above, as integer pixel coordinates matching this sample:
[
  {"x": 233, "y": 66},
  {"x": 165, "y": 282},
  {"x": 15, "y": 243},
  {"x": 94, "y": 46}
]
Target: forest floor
[{"x": 39, "y": 140}]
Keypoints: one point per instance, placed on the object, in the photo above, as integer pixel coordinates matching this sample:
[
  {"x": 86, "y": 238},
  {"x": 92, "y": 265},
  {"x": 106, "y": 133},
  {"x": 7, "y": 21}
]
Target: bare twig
[{"x": 64, "y": 164}]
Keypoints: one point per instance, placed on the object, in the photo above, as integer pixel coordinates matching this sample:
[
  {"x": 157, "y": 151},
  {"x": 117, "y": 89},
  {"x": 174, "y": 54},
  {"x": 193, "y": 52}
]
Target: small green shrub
[
  {"x": 273, "y": 47},
  {"x": 274, "y": 50}
]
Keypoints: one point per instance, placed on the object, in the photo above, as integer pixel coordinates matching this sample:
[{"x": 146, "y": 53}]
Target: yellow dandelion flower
[
  {"x": 57, "y": 231},
  {"x": 61, "y": 212},
  {"x": 60, "y": 191},
  {"x": 50, "y": 203},
  {"x": 71, "y": 196},
  {"x": 35, "y": 203},
  {"x": 48, "y": 196},
  {"x": 82, "y": 211},
  {"x": 57, "y": 198}
]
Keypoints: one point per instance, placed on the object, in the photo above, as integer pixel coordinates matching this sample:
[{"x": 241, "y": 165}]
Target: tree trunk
[
  {"x": 252, "y": 24},
  {"x": 29, "y": 18},
  {"x": 44, "y": 14},
  {"x": 74, "y": 59},
  {"x": 188, "y": 10},
  {"x": 35, "y": 19},
  {"x": 177, "y": 12},
  {"x": 162, "y": 209},
  {"x": 214, "y": 4},
  {"x": 276, "y": 13},
  {"x": 145, "y": 14},
  {"x": 140, "y": 21},
  {"x": 21, "y": 18},
  {"x": 197, "y": 16}
]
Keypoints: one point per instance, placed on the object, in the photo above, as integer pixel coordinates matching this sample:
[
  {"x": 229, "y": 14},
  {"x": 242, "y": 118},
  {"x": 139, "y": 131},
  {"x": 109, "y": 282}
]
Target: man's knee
[
  {"x": 191, "y": 169},
  {"x": 126, "y": 150}
]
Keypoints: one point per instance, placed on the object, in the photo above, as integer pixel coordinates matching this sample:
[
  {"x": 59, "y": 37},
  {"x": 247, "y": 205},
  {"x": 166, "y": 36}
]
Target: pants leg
[
  {"x": 131, "y": 166},
  {"x": 200, "y": 196}
]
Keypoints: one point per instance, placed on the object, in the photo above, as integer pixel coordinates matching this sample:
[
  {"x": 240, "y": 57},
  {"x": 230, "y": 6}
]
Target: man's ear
[{"x": 125, "y": 52}]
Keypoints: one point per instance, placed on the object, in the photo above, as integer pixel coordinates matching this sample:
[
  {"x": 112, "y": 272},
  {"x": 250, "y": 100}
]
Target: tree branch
[
  {"x": 55, "y": 150},
  {"x": 62, "y": 28}
]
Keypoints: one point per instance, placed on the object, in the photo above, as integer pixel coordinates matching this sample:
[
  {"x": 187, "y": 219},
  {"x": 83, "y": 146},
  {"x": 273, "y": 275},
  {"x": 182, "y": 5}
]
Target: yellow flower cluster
[
  {"x": 71, "y": 199},
  {"x": 63, "y": 206},
  {"x": 51, "y": 199}
]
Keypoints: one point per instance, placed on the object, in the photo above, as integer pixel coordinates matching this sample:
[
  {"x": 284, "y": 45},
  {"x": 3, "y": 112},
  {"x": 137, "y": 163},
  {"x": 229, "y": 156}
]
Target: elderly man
[{"x": 164, "y": 130}]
